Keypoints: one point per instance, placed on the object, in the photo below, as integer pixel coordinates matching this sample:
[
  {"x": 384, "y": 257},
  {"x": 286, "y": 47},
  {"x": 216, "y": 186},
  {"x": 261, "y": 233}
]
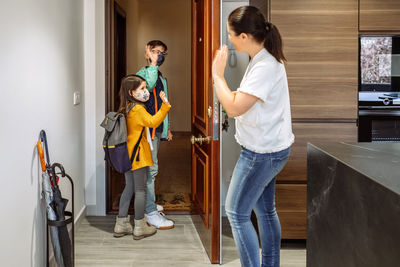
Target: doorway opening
[
  {"x": 190, "y": 163},
  {"x": 130, "y": 25}
]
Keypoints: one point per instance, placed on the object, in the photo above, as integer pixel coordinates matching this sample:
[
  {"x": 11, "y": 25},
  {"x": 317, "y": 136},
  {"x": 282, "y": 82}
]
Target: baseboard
[
  {"x": 77, "y": 222},
  {"x": 80, "y": 216}
]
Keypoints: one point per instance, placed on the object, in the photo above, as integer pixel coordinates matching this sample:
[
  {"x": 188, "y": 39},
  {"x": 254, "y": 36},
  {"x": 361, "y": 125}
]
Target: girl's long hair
[
  {"x": 129, "y": 83},
  {"x": 249, "y": 20}
]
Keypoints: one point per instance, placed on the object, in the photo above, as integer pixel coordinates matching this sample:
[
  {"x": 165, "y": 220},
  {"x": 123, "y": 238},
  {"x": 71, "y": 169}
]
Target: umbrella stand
[{"x": 61, "y": 223}]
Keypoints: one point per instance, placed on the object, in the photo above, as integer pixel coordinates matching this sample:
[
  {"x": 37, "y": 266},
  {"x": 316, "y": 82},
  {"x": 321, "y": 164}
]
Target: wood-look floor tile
[{"x": 178, "y": 247}]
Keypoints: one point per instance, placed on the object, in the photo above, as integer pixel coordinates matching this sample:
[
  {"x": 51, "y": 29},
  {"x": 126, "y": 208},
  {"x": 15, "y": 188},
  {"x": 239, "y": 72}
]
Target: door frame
[
  {"x": 209, "y": 232},
  {"x": 108, "y": 81},
  {"x": 118, "y": 10},
  {"x": 111, "y": 6},
  {"x": 212, "y": 13}
]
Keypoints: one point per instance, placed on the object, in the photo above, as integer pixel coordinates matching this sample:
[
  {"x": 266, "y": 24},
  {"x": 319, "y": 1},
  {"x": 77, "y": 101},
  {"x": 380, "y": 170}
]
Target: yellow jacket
[{"x": 136, "y": 119}]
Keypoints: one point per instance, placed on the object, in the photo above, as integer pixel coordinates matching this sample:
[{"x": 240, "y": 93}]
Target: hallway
[{"x": 180, "y": 247}]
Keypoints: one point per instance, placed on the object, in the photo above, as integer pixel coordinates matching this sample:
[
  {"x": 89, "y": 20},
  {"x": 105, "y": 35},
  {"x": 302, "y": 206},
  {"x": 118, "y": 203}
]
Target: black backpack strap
[
  {"x": 136, "y": 147},
  {"x": 106, "y": 157}
]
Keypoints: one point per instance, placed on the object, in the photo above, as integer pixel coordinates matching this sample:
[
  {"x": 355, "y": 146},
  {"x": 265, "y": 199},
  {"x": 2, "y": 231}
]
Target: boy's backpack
[{"x": 115, "y": 141}]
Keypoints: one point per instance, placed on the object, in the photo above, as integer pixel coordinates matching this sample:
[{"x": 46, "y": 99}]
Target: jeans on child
[
  {"x": 153, "y": 171},
  {"x": 253, "y": 187}
]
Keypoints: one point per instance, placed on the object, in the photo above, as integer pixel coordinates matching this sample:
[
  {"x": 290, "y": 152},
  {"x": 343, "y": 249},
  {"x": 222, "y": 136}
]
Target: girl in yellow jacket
[{"x": 134, "y": 93}]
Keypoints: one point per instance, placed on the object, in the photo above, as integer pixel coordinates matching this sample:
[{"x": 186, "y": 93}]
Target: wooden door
[{"x": 205, "y": 144}]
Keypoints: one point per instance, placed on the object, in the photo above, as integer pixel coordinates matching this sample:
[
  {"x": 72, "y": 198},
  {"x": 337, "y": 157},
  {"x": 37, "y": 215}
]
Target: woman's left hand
[{"x": 219, "y": 63}]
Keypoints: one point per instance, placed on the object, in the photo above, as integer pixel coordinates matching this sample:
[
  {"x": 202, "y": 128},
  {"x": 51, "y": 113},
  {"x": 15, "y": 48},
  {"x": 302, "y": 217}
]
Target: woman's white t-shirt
[{"x": 267, "y": 126}]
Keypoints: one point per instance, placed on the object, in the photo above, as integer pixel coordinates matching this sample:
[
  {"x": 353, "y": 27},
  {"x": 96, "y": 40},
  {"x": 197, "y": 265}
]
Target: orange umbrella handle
[{"x": 41, "y": 155}]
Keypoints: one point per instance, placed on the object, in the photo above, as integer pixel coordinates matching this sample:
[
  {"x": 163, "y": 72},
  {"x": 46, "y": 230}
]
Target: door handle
[{"x": 200, "y": 139}]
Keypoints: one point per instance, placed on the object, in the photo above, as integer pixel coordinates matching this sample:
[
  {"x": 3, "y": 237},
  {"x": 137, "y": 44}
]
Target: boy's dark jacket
[{"x": 154, "y": 80}]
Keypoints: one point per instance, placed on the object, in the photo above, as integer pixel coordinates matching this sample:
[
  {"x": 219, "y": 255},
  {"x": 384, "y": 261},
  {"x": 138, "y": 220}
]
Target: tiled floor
[
  {"x": 175, "y": 166},
  {"x": 293, "y": 254},
  {"x": 180, "y": 247}
]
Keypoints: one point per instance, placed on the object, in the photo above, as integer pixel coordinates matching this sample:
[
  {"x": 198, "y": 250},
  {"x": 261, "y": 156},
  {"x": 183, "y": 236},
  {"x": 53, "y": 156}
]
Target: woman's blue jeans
[{"x": 253, "y": 188}]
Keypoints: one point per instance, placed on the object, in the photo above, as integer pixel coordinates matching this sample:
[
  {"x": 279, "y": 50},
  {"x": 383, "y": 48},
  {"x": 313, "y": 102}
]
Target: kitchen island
[{"x": 353, "y": 204}]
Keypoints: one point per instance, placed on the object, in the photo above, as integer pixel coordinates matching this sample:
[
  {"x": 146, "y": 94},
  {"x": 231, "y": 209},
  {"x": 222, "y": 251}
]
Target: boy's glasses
[{"x": 158, "y": 52}]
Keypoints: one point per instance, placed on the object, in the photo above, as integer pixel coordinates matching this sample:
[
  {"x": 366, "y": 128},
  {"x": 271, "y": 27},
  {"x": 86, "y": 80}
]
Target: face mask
[
  {"x": 160, "y": 59},
  {"x": 142, "y": 96}
]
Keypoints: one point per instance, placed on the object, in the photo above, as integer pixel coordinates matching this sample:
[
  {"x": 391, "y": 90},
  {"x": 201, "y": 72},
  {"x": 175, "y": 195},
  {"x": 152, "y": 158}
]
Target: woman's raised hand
[
  {"x": 219, "y": 62},
  {"x": 164, "y": 98}
]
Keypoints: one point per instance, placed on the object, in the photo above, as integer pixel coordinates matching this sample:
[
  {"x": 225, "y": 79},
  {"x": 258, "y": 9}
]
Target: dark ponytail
[
  {"x": 249, "y": 20},
  {"x": 273, "y": 42}
]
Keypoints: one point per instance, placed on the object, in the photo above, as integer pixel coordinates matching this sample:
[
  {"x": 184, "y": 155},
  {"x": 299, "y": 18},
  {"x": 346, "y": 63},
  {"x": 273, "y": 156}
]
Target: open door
[{"x": 205, "y": 126}]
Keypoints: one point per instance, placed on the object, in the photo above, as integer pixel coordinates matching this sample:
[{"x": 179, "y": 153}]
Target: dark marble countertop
[{"x": 378, "y": 161}]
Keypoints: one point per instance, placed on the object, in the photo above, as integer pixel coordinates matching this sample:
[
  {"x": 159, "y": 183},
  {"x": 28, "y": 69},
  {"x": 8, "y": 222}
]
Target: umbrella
[
  {"x": 59, "y": 204},
  {"x": 47, "y": 194}
]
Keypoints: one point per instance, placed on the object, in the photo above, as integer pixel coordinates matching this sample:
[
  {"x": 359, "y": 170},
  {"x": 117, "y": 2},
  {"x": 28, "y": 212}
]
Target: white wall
[
  {"x": 41, "y": 65},
  {"x": 94, "y": 106},
  {"x": 170, "y": 22}
]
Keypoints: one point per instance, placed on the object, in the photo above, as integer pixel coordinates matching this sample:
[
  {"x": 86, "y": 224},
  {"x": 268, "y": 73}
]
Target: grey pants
[{"x": 135, "y": 181}]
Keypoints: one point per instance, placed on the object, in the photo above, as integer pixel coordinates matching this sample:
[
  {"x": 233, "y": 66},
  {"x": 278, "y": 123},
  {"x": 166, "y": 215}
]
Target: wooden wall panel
[
  {"x": 296, "y": 168},
  {"x": 291, "y": 203},
  {"x": 313, "y": 5},
  {"x": 306, "y": 90},
  {"x": 320, "y": 43},
  {"x": 322, "y": 49},
  {"x": 379, "y": 15}
]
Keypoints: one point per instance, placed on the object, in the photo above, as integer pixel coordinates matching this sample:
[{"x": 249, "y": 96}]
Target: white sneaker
[
  {"x": 158, "y": 220},
  {"x": 160, "y": 208}
]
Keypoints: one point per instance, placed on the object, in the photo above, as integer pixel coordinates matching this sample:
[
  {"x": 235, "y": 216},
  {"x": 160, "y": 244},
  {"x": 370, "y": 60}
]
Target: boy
[{"x": 155, "y": 53}]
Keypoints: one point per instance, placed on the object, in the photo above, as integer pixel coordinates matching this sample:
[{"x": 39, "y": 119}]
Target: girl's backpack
[{"x": 115, "y": 141}]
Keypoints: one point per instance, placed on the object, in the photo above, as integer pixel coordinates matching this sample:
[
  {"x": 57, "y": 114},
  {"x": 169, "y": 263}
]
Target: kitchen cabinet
[
  {"x": 321, "y": 46},
  {"x": 320, "y": 43},
  {"x": 379, "y": 15},
  {"x": 296, "y": 168},
  {"x": 291, "y": 188},
  {"x": 291, "y": 203}
]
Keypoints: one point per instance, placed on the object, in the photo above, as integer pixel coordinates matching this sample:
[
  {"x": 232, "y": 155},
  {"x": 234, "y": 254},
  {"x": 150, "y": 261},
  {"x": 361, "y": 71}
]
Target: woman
[{"x": 261, "y": 109}]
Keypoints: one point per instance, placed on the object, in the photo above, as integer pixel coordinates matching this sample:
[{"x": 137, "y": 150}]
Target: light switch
[{"x": 77, "y": 98}]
